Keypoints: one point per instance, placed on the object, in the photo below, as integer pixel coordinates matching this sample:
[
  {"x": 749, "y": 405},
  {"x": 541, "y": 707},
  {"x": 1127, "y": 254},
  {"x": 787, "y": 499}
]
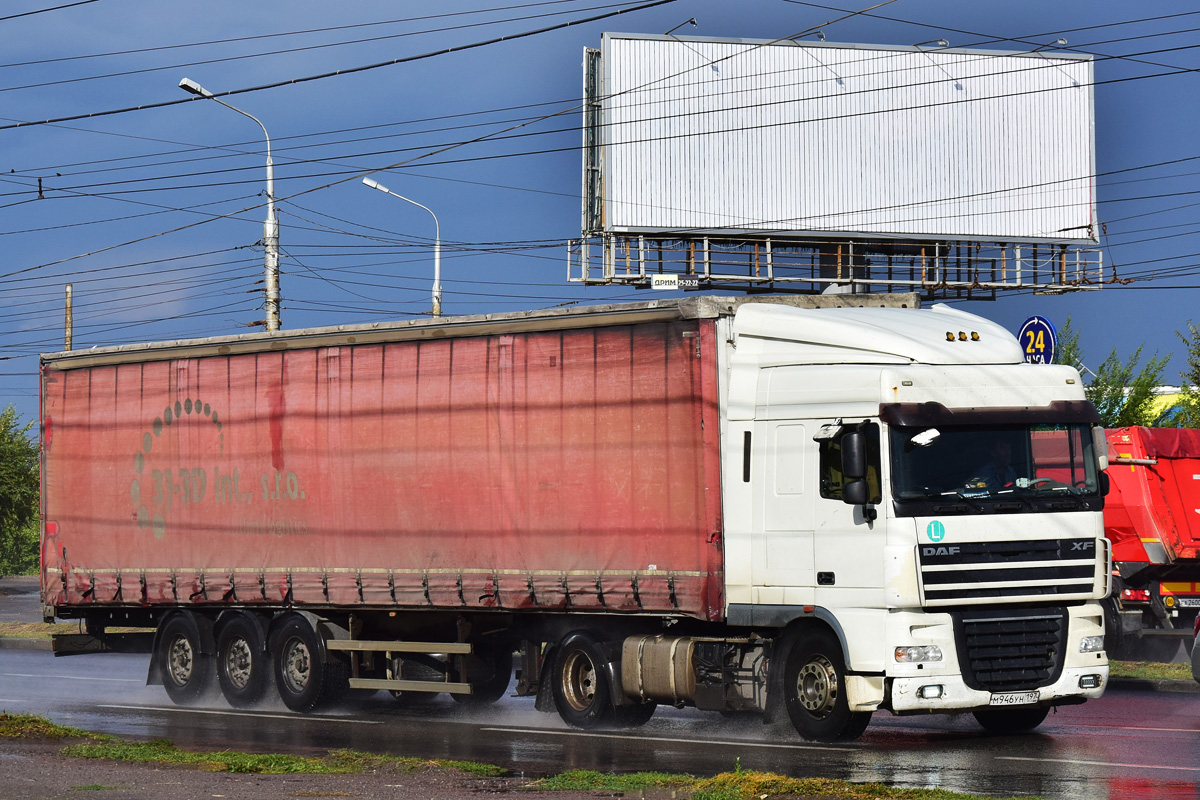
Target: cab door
[
  {"x": 847, "y": 543},
  {"x": 783, "y": 553}
]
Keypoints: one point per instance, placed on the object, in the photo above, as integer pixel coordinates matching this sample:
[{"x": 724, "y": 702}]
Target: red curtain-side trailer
[{"x": 572, "y": 469}]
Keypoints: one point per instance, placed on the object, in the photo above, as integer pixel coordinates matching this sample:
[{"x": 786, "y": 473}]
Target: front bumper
[
  {"x": 941, "y": 686},
  {"x": 957, "y": 696}
]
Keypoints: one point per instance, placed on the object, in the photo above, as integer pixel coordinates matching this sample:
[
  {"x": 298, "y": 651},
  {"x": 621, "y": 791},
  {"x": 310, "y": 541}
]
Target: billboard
[{"x": 727, "y": 137}]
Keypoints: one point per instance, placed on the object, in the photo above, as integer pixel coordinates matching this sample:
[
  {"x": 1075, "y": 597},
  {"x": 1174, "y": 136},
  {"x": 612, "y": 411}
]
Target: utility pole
[
  {"x": 68, "y": 323},
  {"x": 271, "y": 225}
]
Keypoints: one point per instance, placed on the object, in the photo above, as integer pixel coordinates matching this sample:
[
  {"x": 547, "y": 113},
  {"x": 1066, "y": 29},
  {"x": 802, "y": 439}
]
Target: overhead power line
[
  {"x": 280, "y": 34},
  {"x": 44, "y": 10},
  {"x": 286, "y": 51},
  {"x": 347, "y": 71}
]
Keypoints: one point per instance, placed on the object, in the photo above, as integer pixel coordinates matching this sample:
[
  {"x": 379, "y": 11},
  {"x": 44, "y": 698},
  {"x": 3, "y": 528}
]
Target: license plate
[
  {"x": 1187, "y": 602},
  {"x": 1014, "y": 698}
]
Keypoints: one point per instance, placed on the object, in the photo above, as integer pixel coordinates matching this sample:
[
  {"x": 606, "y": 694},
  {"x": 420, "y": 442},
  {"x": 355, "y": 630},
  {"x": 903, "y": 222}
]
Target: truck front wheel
[
  {"x": 242, "y": 667},
  {"x": 1011, "y": 720},
  {"x": 185, "y": 669},
  {"x": 580, "y": 683},
  {"x": 303, "y": 680},
  {"x": 814, "y": 683}
]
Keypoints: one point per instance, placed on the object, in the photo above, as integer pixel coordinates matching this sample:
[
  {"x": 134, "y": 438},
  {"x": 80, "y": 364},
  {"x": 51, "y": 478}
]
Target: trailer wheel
[
  {"x": 1011, "y": 720},
  {"x": 242, "y": 667},
  {"x": 494, "y": 665},
  {"x": 185, "y": 669},
  {"x": 303, "y": 680},
  {"x": 814, "y": 684},
  {"x": 580, "y": 684}
]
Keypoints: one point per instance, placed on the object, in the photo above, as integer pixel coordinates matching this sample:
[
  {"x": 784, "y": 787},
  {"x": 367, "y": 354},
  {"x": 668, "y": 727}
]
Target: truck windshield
[{"x": 992, "y": 462}]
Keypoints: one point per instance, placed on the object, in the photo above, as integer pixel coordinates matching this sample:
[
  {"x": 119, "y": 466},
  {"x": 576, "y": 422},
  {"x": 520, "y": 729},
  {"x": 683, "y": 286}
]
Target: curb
[
  {"x": 8, "y": 643},
  {"x": 1144, "y": 685}
]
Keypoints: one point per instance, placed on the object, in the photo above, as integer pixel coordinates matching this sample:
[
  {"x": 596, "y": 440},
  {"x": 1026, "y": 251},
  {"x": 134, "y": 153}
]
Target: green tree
[
  {"x": 1189, "y": 379},
  {"x": 1122, "y": 391},
  {"x": 1068, "y": 351},
  {"x": 18, "y": 495}
]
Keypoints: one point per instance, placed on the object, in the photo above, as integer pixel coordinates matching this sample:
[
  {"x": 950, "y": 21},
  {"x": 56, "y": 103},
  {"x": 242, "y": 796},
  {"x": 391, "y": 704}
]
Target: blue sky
[{"x": 153, "y": 214}]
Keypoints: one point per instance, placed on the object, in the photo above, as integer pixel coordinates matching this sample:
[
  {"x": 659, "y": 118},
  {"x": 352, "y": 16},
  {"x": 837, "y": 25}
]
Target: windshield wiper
[{"x": 970, "y": 496}]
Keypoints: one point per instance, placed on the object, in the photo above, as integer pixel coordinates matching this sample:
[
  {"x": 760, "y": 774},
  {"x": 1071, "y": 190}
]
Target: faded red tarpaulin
[{"x": 564, "y": 469}]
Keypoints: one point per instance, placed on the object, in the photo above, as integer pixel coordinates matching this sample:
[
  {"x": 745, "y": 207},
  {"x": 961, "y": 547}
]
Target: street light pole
[
  {"x": 271, "y": 225},
  {"x": 437, "y": 244}
]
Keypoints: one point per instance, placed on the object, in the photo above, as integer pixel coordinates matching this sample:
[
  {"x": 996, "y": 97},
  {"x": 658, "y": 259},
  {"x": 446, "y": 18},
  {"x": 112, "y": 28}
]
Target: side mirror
[
  {"x": 854, "y": 456},
  {"x": 1100, "y": 443},
  {"x": 856, "y": 492},
  {"x": 1105, "y": 484}
]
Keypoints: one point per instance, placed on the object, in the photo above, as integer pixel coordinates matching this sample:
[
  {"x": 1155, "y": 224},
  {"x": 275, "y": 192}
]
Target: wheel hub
[
  {"x": 297, "y": 666},
  {"x": 816, "y": 687},
  {"x": 579, "y": 681},
  {"x": 238, "y": 663},
  {"x": 180, "y": 660}
]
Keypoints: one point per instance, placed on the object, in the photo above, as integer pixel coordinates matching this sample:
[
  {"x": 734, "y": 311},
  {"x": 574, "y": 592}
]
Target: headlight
[
  {"x": 1091, "y": 644},
  {"x": 914, "y": 654}
]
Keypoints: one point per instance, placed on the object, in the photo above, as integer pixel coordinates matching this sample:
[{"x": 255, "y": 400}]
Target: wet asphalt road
[{"x": 1127, "y": 745}]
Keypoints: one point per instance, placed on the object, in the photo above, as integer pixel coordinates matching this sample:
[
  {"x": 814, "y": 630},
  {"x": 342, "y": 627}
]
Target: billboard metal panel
[{"x": 718, "y": 136}]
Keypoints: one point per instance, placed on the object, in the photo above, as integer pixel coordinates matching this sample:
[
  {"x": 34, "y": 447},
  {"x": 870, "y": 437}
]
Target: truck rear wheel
[
  {"x": 1011, "y": 720},
  {"x": 814, "y": 685},
  {"x": 489, "y": 672},
  {"x": 185, "y": 669},
  {"x": 579, "y": 681},
  {"x": 305, "y": 681},
  {"x": 242, "y": 667}
]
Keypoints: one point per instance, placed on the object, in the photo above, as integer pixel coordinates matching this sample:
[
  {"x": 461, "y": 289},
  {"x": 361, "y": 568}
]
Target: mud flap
[
  {"x": 777, "y": 656},
  {"x": 545, "y": 694},
  {"x": 864, "y": 692}
]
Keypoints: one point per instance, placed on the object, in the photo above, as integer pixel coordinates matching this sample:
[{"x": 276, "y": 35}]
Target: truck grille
[
  {"x": 1015, "y": 652},
  {"x": 976, "y": 572}
]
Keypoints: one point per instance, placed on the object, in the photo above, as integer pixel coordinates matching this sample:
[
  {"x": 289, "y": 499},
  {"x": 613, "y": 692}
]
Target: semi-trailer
[
  {"x": 800, "y": 506},
  {"x": 1152, "y": 518}
]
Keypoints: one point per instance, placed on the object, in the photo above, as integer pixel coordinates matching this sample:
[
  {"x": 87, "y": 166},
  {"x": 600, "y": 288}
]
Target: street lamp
[
  {"x": 437, "y": 244},
  {"x": 271, "y": 226}
]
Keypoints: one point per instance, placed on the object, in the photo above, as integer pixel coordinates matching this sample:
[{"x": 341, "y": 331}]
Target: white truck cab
[{"x": 902, "y": 477}]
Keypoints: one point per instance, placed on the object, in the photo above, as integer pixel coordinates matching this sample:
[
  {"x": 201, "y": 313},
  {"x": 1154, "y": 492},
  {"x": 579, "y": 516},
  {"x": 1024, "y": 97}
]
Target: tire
[
  {"x": 415, "y": 667},
  {"x": 242, "y": 662},
  {"x": 1117, "y": 645},
  {"x": 580, "y": 685},
  {"x": 814, "y": 690},
  {"x": 1154, "y": 648},
  {"x": 305, "y": 682},
  {"x": 186, "y": 669},
  {"x": 634, "y": 716},
  {"x": 1011, "y": 720},
  {"x": 489, "y": 671}
]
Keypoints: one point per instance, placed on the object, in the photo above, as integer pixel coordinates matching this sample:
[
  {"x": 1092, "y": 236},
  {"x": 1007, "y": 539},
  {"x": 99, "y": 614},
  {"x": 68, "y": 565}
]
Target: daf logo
[
  {"x": 952, "y": 550},
  {"x": 1088, "y": 545}
]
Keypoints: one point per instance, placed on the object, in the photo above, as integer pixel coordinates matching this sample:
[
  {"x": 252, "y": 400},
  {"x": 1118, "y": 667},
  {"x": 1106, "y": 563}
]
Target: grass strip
[
  {"x": 1150, "y": 670},
  {"x": 587, "y": 780},
  {"x": 29, "y": 630},
  {"x": 336, "y": 762},
  {"x": 44, "y": 631},
  {"x": 28, "y": 726},
  {"x": 739, "y": 785}
]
